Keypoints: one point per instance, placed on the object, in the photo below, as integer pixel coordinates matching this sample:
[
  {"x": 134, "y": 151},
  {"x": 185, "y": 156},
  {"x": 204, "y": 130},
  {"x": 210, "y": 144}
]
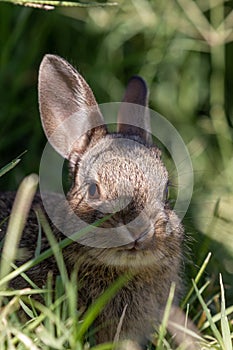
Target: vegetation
[{"x": 184, "y": 50}]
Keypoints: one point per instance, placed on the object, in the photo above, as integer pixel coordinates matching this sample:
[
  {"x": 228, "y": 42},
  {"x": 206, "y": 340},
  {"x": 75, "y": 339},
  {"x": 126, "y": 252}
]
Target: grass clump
[
  {"x": 49, "y": 318},
  {"x": 183, "y": 49}
]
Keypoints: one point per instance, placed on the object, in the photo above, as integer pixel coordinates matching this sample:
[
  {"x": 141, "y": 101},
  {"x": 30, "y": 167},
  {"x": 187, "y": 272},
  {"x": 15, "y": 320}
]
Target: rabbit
[{"x": 122, "y": 167}]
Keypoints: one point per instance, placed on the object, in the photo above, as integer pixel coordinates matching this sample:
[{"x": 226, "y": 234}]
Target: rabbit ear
[
  {"x": 69, "y": 112},
  {"x": 133, "y": 116}
]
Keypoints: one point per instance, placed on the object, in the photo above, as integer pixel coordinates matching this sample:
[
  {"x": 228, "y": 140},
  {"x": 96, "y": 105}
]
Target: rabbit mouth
[
  {"x": 135, "y": 248},
  {"x": 143, "y": 241}
]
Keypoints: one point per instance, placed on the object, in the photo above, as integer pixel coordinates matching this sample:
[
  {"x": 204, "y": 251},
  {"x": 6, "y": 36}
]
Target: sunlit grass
[
  {"x": 58, "y": 322},
  {"x": 52, "y": 4},
  {"x": 182, "y": 49}
]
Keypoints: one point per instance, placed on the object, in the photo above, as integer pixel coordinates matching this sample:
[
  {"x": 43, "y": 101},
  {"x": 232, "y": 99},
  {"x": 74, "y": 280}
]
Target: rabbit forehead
[{"x": 116, "y": 160}]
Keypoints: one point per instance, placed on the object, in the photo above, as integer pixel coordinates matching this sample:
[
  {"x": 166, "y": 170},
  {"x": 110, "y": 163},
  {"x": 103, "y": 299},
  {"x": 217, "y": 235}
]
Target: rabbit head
[{"x": 119, "y": 175}]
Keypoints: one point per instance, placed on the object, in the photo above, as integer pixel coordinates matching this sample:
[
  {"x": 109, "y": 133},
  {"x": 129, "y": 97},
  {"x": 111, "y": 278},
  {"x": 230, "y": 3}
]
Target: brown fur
[{"x": 125, "y": 166}]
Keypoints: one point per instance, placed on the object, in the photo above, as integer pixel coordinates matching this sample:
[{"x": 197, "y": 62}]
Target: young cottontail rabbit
[{"x": 118, "y": 173}]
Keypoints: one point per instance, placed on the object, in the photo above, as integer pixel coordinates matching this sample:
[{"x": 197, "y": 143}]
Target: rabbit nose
[{"x": 141, "y": 228}]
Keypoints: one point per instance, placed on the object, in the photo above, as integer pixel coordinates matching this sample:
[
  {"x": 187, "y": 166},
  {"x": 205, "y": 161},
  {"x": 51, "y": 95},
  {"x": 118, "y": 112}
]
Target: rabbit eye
[{"x": 93, "y": 191}]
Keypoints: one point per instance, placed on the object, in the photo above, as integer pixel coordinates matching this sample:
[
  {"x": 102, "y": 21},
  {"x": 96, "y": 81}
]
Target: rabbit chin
[{"x": 124, "y": 258}]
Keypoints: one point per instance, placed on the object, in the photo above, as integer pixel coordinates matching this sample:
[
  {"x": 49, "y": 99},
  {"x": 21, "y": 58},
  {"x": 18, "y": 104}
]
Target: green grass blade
[
  {"x": 209, "y": 317},
  {"x": 26, "y": 309},
  {"x": 217, "y": 317},
  {"x": 26, "y": 278},
  {"x": 196, "y": 280},
  {"x": 105, "y": 346},
  {"x": 23, "y": 339},
  {"x": 226, "y": 334},
  {"x": 50, "y": 4},
  {"x": 11, "y": 165},
  {"x": 54, "y": 246},
  {"x": 94, "y": 310},
  {"x": 163, "y": 327},
  {"x": 49, "y": 252},
  {"x": 21, "y": 292},
  {"x": 19, "y": 213}
]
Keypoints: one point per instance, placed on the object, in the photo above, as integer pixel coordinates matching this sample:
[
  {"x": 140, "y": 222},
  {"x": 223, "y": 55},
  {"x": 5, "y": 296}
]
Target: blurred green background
[{"x": 184, "y": 51}]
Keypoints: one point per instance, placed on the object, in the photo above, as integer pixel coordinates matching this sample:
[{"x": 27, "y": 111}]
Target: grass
[
  {"x": 183, "y": 49},
  {"x": 58, "y": 324},
  {"x": 51, "y": 4}
]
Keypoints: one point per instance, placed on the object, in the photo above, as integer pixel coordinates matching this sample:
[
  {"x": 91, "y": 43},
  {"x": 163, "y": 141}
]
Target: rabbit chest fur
[{"x": 118, "y": 173}]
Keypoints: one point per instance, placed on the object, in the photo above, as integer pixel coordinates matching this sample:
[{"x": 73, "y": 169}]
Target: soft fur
[{"x": 128, "y": 169}]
